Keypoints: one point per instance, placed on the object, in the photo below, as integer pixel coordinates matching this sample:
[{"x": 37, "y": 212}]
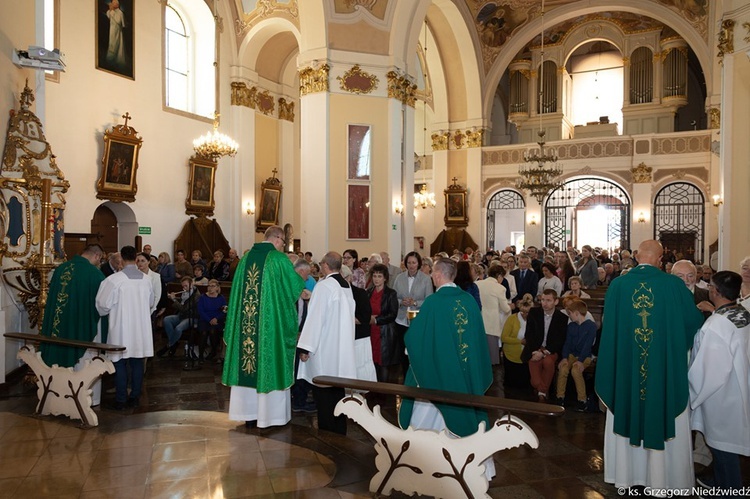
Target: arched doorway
[
  {"x": 588, "y": 211},
  {"x": 505, "y": 219},
  {"x": 679, "y": 219},
  {"x": 115, "y": 225}
]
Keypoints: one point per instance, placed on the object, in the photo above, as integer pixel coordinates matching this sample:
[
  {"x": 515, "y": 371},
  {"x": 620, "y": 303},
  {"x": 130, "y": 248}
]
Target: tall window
[
  {"x": 176, "y": 45},
  {"x": 51, "y": 35},
  {"x": 189, "y": 55}
]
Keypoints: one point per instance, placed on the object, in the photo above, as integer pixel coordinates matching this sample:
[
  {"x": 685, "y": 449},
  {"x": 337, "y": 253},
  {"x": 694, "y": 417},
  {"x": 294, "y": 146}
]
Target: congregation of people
[{"x": 654, "y": 340}]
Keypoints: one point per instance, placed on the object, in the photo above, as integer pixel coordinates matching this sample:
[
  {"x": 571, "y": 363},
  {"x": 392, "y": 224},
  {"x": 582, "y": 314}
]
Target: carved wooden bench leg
[
  {"x": 74, "y": 396},
  {"x": 47, "y": 390}
]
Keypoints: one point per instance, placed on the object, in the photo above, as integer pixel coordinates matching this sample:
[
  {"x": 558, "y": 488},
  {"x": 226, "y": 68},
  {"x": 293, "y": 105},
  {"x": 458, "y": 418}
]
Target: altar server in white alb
[
  {"x": 719, "y": 379},
  {"x": 127, "y": 297},
  {"x": 327, "y": 340}
]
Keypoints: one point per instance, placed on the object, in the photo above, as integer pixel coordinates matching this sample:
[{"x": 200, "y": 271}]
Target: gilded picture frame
[
  {"x": 201, "y": 185},
  {"x": 270, "y": 200},
  {"x": 455, "y": 207},
  {"x": 119, "y": 164}
]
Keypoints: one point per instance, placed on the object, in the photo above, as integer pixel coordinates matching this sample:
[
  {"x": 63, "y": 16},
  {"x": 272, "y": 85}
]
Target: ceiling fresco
[{"x": 497, "y": 21}]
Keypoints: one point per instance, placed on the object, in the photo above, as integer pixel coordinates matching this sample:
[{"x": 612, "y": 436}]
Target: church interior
[{"x": 377, "y": 125}]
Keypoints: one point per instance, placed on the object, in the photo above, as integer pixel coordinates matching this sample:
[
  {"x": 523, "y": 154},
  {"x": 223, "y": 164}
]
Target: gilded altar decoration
[
  {"x": 286, "y": 109},
  {"x": 313, "y": 79},
  {"x": 440, "y": 141},
  {"x": 714, "y": 118},
  {"x": 119, "y": 163},
  {"x": 474, "y": 137},
  {"x": 243, "y": 96},
  {"x": 265, "y": 102},
  {"x": 642, "y": 174},
  {"x": 643, "y": 301},
  {"x": 401, "y": 88},
  {"x": 726, "y": 39},
  {"x": 32, "y": 204},
  {"x": 357, "y": 81}
]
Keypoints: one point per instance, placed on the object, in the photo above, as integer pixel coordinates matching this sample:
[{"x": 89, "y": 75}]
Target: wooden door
[{"x": 104, "y": 226}]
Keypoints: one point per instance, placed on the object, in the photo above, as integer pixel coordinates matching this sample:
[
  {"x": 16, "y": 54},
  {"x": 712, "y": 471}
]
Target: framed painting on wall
[
  {"x": 455, "y": 206},
  {"x": 200, "y": 199},
  {"x": 120, "y": 163},
  {"x": 115, "y": 43},
  {"x": 270, "y": 199}
]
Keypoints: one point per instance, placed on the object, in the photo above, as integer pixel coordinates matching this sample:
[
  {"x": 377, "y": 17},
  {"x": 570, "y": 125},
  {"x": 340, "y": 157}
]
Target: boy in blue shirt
[{"x": 576, "y": 352}]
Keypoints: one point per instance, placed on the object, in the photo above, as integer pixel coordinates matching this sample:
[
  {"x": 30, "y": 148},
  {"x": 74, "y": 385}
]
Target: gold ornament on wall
[
  {"x": 642, "y": 174},
  {"x": 458, "y": 139},
  {"x": 243, "y": 96},
  {"x": 401, "y": 88},
  {"x": 286, "y": 109},
  {"x": 265, "y": 103},
  {"x": 714, "y": 118},
  {"x": 357, "y": 81},
  {"x": 474, "y": 137},
  {"x": 313, "y": 80},
  {"x": 440, "y": 141},
  {"x": 726, "y": 39}
]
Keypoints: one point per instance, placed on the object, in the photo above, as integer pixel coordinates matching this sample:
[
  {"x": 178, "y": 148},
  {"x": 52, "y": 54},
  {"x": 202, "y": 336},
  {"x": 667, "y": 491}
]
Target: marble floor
[{"x": 179, "y": 443}]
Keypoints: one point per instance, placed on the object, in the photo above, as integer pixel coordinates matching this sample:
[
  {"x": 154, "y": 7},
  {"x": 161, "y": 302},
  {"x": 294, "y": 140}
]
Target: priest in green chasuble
[
  {"x": 261, "y": 334},
  {"x": 447, "y": 350},
  {"x": 70, "y": 312},
  {"x": 650, "y": 319}
]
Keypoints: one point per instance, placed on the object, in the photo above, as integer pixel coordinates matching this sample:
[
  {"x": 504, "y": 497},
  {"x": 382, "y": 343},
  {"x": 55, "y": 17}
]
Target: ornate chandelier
[
  {"x": 215, "y": 144},
  {"x": 535, "y": 176},
  {"x": 424, "y": 199}
]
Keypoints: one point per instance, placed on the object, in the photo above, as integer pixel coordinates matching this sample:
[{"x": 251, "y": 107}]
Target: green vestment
[
  {"x": 70, "y": 312},
  {"x": 261, "y": 327},
  {"x": 448, "y": 350},
  {"x": 650, "y": 320}
]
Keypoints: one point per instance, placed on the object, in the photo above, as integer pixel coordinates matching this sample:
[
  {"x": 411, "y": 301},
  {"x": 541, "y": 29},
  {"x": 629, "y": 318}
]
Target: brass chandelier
[
  {"x": 215, "y": 144},
  {"x": 536, "y": 176}
]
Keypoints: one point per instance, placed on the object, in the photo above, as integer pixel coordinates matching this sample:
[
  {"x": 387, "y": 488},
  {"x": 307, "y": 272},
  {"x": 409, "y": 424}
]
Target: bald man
[{"x": 650, "y": 320}]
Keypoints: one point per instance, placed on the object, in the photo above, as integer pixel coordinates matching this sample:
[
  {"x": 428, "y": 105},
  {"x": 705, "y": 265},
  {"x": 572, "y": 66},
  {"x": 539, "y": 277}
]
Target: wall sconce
[
  {"x": 532, "y": 221},
  {"x": 398, "y": 207},
  {"x": 716, "y": 200},
  {"x": 641, "y": 218},
  {"x": 250, "y": 208}
]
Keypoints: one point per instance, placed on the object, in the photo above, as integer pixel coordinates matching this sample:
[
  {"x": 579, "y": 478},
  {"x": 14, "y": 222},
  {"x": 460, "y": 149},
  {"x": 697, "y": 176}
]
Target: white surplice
[
  {"x": 156, "y": 286},
  {"x": 127, "y": 297},
  {"x": 328, "y": 333},
  {"x": 268, "y": 409}
]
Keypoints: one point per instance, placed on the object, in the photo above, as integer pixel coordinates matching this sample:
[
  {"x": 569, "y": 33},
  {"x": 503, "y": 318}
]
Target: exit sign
[{"x": 144, "y": 230}]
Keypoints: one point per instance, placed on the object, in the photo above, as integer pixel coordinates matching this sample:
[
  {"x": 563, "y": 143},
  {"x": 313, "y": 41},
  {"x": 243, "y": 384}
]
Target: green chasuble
[
  {"x": 448, "y": 351},
  {"x": 70, "y": 312},
  {"x": 261, "y": 328},
  {"x": 650, "y": 319}
]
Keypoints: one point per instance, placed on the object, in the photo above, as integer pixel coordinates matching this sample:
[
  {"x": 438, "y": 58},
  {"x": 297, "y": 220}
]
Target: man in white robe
[
  {"x": 127, "y": 297},
  {"x": 718, "y": 378},
  {"x": 327, "y": 340}
]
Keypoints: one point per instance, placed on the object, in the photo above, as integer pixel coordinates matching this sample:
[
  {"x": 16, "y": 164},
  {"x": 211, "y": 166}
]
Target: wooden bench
[
  {"x": 54, "y": 381},
  {"x": 434, "y": 463}
]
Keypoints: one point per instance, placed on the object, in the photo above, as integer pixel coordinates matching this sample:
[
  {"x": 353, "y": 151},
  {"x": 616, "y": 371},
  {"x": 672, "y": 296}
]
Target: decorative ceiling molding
[{"x": 357, "y": 81}]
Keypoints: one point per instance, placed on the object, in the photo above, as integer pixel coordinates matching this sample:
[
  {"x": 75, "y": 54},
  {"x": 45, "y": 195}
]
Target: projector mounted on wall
[{"x": 39, "y": 58}]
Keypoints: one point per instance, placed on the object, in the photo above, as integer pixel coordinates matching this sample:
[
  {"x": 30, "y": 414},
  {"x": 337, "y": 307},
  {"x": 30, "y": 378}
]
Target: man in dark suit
[
  {"x": 545, "y": 336},
  {"x": 527, "y": 281},
  {"x": 536, "y": 263},
  {"x": 112, "y": 265},
  {"x": 685, "y": 270}
]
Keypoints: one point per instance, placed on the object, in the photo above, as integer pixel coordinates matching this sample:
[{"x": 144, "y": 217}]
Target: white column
[
  {"x": 288, "y": 148},
  {"x": 474, "y": 190},
  {"x": 401, "y": 240},
  {"x": 533, "y": 234},
  {"x": 243, "y": 179},
  {"x": 440, "y": 177},
  {"x": 314, "y": 178},
  {"x": 640, "y": 231}
]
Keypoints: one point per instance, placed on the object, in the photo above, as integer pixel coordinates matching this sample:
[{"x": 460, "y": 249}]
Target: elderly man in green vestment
[
  {"x": 261, "y": 334},
  {"x": 70, "y": 312},
  {"x": 447, "y": 350},
  {"x": 650, "y": 320}
]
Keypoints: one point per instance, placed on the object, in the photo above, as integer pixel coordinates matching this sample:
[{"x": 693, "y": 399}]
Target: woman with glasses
[
  {"x": 351, "y": 260},
  {"x": 211, "y": 315}
]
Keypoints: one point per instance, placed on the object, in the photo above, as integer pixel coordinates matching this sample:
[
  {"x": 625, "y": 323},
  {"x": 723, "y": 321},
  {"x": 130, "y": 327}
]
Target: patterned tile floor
[{"x": 179, "y": 443}]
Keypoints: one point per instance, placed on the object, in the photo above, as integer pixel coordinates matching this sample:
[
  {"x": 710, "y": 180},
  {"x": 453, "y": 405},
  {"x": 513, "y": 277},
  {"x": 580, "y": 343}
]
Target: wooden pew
[{"x": 54, "y": 381}]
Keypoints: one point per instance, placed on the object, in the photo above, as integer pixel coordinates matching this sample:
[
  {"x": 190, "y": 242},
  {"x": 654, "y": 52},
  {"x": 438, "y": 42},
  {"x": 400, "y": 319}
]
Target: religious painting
[
  {"x": 358, "y": 212},
  {"x": 270, "y": 199},
  {"x": 200, "y": 200},
  {"x": 359, "y": 152},
  {"x": 455, "y": 206},
  {"x": 120, "y": 163},
  {"x": 115, "y": 42}
]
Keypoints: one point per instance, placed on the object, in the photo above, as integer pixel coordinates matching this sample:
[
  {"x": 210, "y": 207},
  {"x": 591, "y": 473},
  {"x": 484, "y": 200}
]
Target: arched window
[
  {"x": 505, "y": 219},
  {"x": 679, "y": 214},
  {"x": 588, "y": 211},
  {"x": 189, "y": 54}
]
